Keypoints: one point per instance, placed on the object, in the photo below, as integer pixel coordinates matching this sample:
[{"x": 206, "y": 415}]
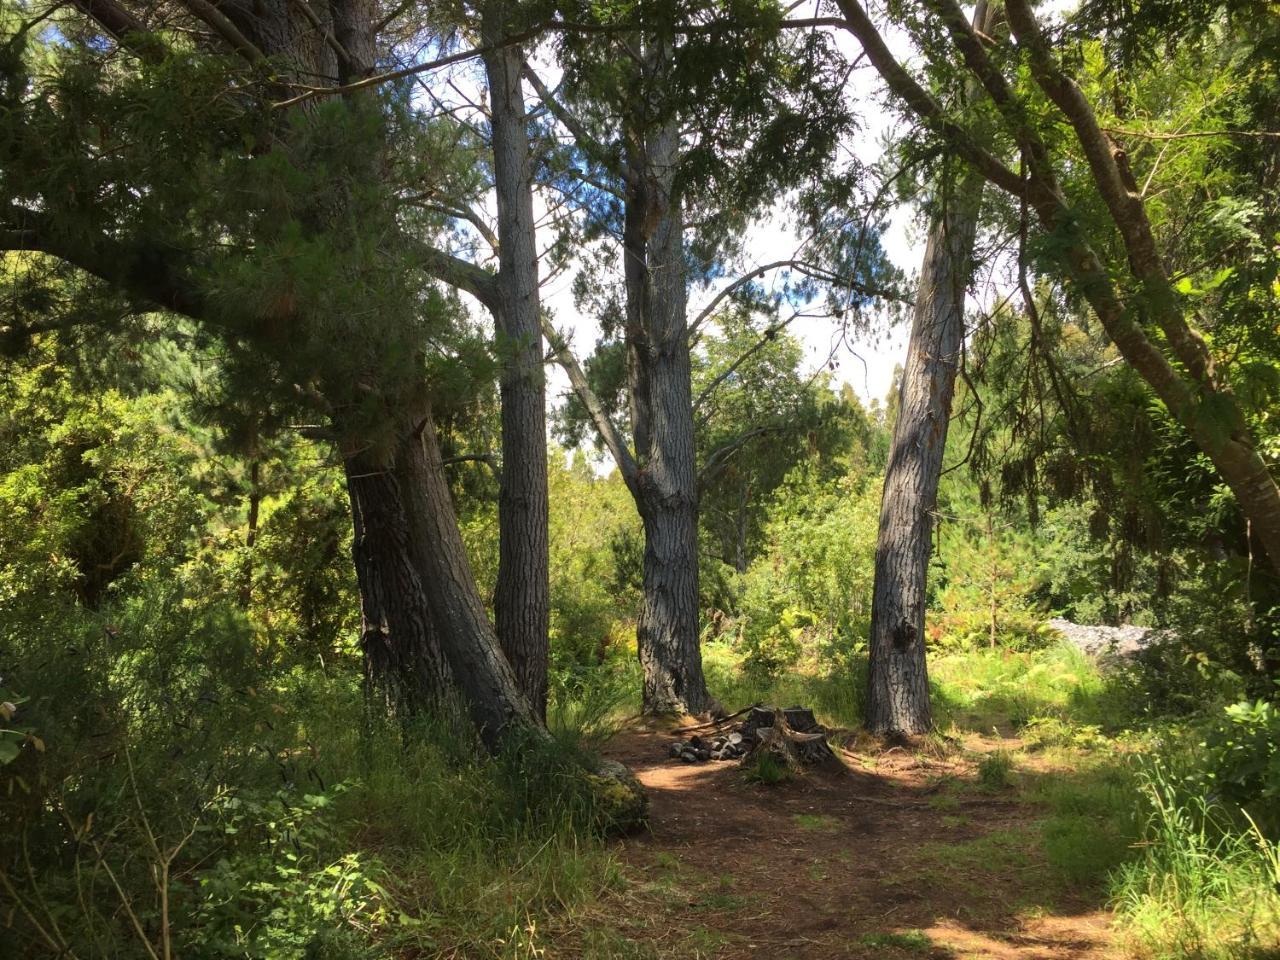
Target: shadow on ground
[{"x": 892, "y": 855}]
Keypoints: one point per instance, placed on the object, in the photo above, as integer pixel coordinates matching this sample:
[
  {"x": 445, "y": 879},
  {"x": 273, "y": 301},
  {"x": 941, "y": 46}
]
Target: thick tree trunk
[
  {"x": 662, "y": 417},
  {"x": 481, "y": 673},
  {"x": 404, "y": 667},
  {"x": 898, "y": 688},
  {"x": 522, "y": 597}
]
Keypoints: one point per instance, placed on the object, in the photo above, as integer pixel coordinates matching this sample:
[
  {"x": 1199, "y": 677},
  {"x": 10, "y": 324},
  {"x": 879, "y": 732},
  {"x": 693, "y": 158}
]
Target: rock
[
  {"x": 688, "y": 756},
  {"x": 704, "y": 754},
  {"x": 696, "y": 742},
  {"x": 1102, "y": 641},
  {"x": 676, "y": 749},
  {"x": 734, "y": 739},
  {"x": 621, "y": 805}
]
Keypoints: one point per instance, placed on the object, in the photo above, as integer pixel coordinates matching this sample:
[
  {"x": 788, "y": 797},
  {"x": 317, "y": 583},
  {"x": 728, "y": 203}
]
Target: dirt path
[{"x": 891, "y": 856}]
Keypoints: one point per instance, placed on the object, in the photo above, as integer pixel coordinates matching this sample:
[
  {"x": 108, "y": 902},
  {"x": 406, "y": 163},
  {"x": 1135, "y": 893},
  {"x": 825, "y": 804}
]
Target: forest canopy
[{"x": 414, "y": 416}]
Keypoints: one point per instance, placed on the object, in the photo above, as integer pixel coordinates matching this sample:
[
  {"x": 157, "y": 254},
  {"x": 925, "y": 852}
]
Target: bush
[
  {"x": 1203, "y": 888},
  {"x": 807, "y": 598},
  {"x": 1240, "y": 766}
]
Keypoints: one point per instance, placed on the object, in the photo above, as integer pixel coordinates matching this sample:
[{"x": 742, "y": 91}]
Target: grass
[
  {"x": 981, "y": 689},
  {"x": 1203, "y": 888},
  {"x": 766, "y": 768},
  {"x": 836, "y": 698},
  {"x": 816, "y": 822},
  {"x": 994, "y": 770},
  {"x": 916, "y": 941}
]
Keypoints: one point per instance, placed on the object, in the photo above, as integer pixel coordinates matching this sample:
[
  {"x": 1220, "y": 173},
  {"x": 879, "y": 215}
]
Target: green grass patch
[
  {"x": 816, "y": 822},
  {"x": 915, "y": 941},
  {"x": 995, "y": 770},
  {"x": 766, "y": 768}
]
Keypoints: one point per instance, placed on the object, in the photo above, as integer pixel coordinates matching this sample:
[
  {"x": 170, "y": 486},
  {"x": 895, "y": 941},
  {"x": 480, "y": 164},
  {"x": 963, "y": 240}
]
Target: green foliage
[
  {"x": 592, "y": 592},
  {"x": 766, "y": 768},
  {"x": 994, "y": 770},
  {"x": 279, "y": 898},
  {"x": 1240, "y": 762},
  {"x": 1202, "y": 887},
  {"x": 808, "y": 596}
]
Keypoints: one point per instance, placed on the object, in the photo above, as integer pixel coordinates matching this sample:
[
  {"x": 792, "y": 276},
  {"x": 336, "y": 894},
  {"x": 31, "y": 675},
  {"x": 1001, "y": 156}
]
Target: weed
[
  {"x": 917, "y": 941},
  {"x": 994, "y": 770},
  {"x": 765, "y": 768}
]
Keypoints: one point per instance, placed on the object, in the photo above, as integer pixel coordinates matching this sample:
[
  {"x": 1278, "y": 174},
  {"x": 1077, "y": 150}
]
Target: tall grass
[
  {"x": 836, "y": 695},
  {"x": 980, "y": 689},
  {"x": 1206, "y": 885},
  {"x": 336, "y": 840}
]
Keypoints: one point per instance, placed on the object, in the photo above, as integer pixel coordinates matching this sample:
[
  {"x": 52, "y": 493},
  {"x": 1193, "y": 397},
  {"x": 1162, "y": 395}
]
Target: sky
[{"x": 864, "y": 359}]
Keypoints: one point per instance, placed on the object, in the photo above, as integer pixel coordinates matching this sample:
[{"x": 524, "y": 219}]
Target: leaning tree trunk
[
  {"x": 898, "y": 688},
  {"x": 522, "y": 597},
  {"x": 501, "y": 713},
  {"x": 404, "y": 668},
  {"x": 662, "y": 421}
]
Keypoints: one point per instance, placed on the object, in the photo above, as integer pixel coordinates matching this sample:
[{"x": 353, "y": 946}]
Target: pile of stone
[
  {"x": 732, "y": 746},
  {"x": 792, "y": 733},
  {"x": 1107, "y": 642}
]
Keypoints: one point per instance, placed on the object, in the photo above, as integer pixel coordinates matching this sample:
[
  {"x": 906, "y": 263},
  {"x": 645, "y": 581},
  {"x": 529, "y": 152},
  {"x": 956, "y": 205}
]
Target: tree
[
  {"x": 522, "y": 595},
  {"x": 898, "y": 680},
  {"x": 656, "y": 109},
  {"x": 1112, "y": 256},
  {"x": 251, "y": 207},
  {"x": 898, "y": 684}
]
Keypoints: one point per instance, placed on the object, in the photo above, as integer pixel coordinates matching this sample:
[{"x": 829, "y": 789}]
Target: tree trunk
[
  {"x": 662, "y": 423},
  {"x": 404, "y": 667},
  {"x": 522, "y": 596},
  {"x": 489, "y": 687},
  {"x": 898, "y": 689}
]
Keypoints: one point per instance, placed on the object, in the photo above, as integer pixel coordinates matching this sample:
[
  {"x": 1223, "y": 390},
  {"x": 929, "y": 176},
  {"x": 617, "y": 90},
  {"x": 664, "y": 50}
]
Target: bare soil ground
[{"x": 891, "y": 855}]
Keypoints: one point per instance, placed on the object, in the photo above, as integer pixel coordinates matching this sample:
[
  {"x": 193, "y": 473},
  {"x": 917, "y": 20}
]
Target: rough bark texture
[
  {"x": 499, "y": 710},
  {"x": 522, "y": 597},
  {"x": 666, "y": 486},
  {"x": 404, "y": 668},
  {"x": 898, "y": 689}
]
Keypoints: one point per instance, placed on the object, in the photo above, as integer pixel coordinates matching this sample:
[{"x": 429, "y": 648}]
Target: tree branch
[
  {"x": 217, "y": 20},
  {"x": 720, "y": 458},
  {"x": 456, "y": 272},
  {"x": 770, "y": 334},
  {"x": 609, "y": 433},
  {"x": 145, "y": 272},
  {"x": 127, "y": 30},
  {"x": 904, "y": 86},
  {"x": 808, "y": 269},
  {"x": 575, "y": 126},
  {"x": 1119, "y": 192}
]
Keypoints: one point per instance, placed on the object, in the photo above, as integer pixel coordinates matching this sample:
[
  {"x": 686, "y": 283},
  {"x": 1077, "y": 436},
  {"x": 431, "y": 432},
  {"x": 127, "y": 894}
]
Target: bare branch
[{"x": 609, "y": 433}]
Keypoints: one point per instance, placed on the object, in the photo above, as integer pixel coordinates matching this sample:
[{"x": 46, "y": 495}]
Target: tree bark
[
  {"x": 404, "y": 668},
  {"x": 522, "y": 596},
  {"x": 499, "y": 710},
  {"x": 667, "y": 634},
  {"x": 898, "y": 687}
]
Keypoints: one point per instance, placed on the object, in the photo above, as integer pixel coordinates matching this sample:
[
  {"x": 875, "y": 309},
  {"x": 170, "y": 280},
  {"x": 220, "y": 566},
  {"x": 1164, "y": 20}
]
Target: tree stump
[{"x": 792, "y": 734}]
